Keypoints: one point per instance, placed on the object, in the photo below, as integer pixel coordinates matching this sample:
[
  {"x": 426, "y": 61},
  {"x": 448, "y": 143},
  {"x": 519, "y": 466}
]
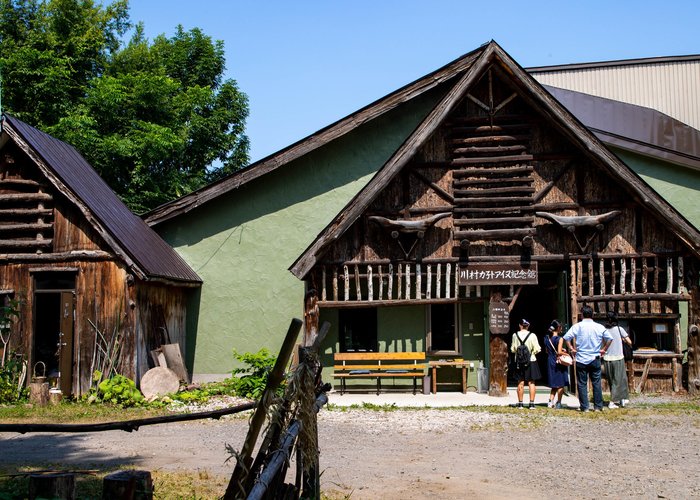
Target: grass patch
[
  {"x": 79, "y": 412},
  {"x": 200, "y": 485}
]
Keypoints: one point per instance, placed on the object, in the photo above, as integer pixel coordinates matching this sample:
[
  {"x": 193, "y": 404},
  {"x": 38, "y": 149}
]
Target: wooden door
[{"x": 65, "y": 338}]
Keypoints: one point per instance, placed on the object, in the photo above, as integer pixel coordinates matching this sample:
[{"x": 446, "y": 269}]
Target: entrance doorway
[
  {"x": 539, "y": 304},
  {"x": 53, "y": 326}
]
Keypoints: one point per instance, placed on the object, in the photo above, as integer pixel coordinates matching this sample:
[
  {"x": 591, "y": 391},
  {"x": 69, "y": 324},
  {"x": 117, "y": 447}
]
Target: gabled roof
[
  {"x": 632, "y": 127},
  {"x": 532, "y": 92},
  {"x": 128, "y": 235}
]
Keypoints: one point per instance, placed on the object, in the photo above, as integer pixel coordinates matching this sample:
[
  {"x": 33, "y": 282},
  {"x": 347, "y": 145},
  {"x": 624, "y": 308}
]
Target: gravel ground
[{"x": 640, "y": 452}]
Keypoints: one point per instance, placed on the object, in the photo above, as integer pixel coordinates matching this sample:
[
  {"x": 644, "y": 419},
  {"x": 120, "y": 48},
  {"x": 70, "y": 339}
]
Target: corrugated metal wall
[{"x": 670, "y": 87}]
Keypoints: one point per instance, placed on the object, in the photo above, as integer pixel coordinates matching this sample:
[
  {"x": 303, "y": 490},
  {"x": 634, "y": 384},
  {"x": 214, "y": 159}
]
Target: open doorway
[
  {"x": 539, "y": 304},
  {"x": 53, "y": 326}
]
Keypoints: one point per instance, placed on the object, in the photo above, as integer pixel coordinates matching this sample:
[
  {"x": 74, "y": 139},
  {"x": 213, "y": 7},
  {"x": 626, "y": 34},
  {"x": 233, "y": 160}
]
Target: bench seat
[{"x": 378, "y": 365}]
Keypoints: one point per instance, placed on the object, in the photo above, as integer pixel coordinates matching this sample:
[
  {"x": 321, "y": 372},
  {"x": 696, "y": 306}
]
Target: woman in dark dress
[{"x": 558, "y": 374}]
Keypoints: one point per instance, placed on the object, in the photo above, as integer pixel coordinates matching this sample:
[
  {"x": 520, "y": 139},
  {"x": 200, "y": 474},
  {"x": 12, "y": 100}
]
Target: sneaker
[
  {"x": 531, "y": 406},
  {"x": 558, "y": 406},
  {"x": 550, "y": 404},
  {"x": 520, "y": 406},
  {"x": 612, "y": 405},
  {"x": 584, "y": 410},
  {"x": 598, "y": 409},
  {"x": 623, "y": 402}
]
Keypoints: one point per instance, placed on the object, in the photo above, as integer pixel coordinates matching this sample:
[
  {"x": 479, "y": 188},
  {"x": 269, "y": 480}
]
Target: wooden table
[{"x": 457, "y": 363}]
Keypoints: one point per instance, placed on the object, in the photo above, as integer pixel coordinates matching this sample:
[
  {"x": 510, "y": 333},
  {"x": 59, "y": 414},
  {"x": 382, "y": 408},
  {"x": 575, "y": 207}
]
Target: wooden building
[
  {"x": 81, "y": 265},
  {"x": 472, "y": 198}
]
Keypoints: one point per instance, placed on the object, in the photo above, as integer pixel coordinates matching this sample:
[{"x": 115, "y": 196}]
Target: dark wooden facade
[
  {"x": 73, "y": 276},
  {"x": 500, "y": 180}
]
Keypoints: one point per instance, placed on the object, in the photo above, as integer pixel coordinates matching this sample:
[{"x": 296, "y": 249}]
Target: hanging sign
[
  {"x": 499, "y": 317},
  {"x": 498, "y": 273}
]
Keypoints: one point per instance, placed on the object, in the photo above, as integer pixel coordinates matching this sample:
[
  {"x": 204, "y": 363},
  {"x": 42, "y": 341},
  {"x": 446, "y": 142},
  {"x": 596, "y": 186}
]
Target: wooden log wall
[
  {"x": 629, "y": 284},
  {"x": 390, "y": 282}
]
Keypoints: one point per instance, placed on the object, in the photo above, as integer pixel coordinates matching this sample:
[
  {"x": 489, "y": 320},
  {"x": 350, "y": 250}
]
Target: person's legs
[
  {"x": 560, "y": 393},
  {"x": 552, "y": 393},
  {"x": 582, "y": 385},
  {"x": 617, "y": 373},
  {"x": 595, "y": 373},
  {"x": 521, "y": 390},
  {"x": 533, "y": 391}
]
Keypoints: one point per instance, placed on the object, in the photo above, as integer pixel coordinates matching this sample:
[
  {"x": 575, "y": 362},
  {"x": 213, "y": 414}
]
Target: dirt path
[{"x": 427, "y": 453}]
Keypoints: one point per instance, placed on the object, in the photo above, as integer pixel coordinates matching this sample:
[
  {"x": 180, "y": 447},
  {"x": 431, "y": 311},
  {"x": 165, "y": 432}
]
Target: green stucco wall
[
  {"x": 242, "y": 243},
  {"x": 680, "y": 186}
]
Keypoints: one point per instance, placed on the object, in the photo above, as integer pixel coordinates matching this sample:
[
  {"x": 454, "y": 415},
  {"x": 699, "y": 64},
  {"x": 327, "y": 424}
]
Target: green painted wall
[
  {"x": 243, "y": 242},
  {"x": 680, "y": 186}
]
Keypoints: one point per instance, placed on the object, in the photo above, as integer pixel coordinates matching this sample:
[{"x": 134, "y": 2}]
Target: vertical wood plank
[
  {"x": 645, "y": 275},
  {"x": 429, "y": 284},
  {"x": 601, "y": 275},
  {"x": 399, "y": 287},
  {"x": 623, "y": 276},
  {"x": 335, "y": 284},
  {"x": 456, "y": 282},
  {"x": 419, "y": 282},
  {"x": 613, "y": 276},
  {"x": 323, "y": 285},
  {"x": 681, "y": 271},
  {"x": 656, "y": 274},
  {"x": 370, "y": 284},
  {"x": 381, "y": 283},
  {"x": 591, "y": 277},
  {"x": 478, "y": 291},
  {"x": 390, "y": 285},
  {"x": 358, "y": 284},
  {"x": 408, "y": 282},
  {"x": 633, "y": 273},
  {"x": 669, "y": 275},
  {"x": 346, "y": 290},
  {"x": 448, "y": 281},
  {"x": 573, "y": 292},
  {"x": 438, "y": 281}
]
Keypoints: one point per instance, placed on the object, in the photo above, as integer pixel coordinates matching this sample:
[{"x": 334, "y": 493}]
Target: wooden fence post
[
  {"x": 128, "y": 485},
  {"x": 56, "y": 486}
]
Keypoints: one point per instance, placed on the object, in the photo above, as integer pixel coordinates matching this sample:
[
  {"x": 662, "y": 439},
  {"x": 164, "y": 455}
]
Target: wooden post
[
  {"x": 390, "y": 285},
  {"x": 381, "y": 283},
  {"x": 498, "y": 375},
  {"x": 311, "y": 315},
  {"x": 245, "y": 460},
  {"x": 429, "y": 284},
  {"x": 128, "y": 485},
  {"x": 419, "y": 282},
  {"x": 39, "y": 393},
  {"x": 370, "y": 284},
  {"x": 55, "y": 485},
  {"x": 448, "y": 281},
  {"x": 572, "y": 290}
]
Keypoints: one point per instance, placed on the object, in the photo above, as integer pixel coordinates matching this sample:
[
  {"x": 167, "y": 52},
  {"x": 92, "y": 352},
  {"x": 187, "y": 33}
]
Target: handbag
[
  {"x": 563, "y": 359},
  {"x": 627, "y": 350}
]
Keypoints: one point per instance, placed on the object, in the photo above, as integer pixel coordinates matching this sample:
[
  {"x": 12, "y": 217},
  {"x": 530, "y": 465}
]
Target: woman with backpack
[{"x": 525, "y": 347}]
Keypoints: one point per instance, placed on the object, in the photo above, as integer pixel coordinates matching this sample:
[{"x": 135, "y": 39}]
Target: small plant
[
  {"x": 11, "y": 379},
  {"x": 250, "y": 381},
  {"x": 9, "y": 312},
  {"x": 119, "y": 390}
]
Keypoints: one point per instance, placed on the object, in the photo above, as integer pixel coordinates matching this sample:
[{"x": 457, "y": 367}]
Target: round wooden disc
[{"x": 159, "y": 381}]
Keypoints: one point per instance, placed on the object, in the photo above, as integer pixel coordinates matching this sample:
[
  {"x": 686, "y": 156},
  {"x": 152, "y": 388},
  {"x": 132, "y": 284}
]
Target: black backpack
[{"x": 522, "y": 353}]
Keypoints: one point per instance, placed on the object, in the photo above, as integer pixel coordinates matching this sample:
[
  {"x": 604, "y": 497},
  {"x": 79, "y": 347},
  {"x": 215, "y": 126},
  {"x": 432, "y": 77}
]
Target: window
[
  {"x": 443, "y": 329},
  {"x": 358, "y": 330}
]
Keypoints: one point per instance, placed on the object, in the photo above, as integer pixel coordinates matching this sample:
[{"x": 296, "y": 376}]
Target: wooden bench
[{"x": 378, "y": 365}]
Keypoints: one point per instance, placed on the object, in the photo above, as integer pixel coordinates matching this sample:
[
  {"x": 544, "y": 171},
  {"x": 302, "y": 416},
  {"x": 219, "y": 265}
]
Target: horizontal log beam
[
  {"x": 497, "y": 210},
  {"x": 352, "y": 304},
  {"x": 633, "y": 296},
  {"x": 500, "y": 119},
  {"x": 494, "y": 220},
  {"x": 492, "y": 159},
  {"x": 37, "y": 226},
  {"x": 490, "y": 180},
  {"x": 490, "y": 138},
  {"x": 25, "y": 197},
  {"x": 26, "y": 243},
  {"x": 88, "y": 255},
  {"x": 473, "y": 172},
  {"x": 25, "y": 212},
  {"x": 494, "y": 234},
  {"x": 18, "y": 182},
  {"x": 505, "y": 199},
  {"x": 489, "y": 149},
  {"x": 468, "y": 193},
  {"x": 489, "y": 129}
]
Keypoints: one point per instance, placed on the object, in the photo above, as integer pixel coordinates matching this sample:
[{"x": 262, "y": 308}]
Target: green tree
[{"x": 156, "y": 119}]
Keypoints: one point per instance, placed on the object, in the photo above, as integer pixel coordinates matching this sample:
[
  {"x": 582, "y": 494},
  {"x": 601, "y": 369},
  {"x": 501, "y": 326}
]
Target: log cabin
[
  {"x": 85, "y": 272},
  {"x": 433, "y": 219}
]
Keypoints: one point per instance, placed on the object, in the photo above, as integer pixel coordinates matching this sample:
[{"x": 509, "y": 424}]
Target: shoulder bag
[
  {"x": 564, "y": 358},
  {"x": 627, "y": 350}
]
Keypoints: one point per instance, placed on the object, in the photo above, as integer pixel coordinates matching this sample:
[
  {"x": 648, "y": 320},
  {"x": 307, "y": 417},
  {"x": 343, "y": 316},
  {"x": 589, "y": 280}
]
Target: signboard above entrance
[{"x": 498, "y": 273}]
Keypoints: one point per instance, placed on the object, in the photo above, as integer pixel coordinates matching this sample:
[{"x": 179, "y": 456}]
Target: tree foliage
[{"x": 155, "y": 118}]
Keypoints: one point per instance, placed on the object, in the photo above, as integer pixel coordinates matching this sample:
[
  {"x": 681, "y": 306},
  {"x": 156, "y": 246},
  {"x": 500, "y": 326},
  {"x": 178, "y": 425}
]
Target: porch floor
[{"x": 446, "y": 399}]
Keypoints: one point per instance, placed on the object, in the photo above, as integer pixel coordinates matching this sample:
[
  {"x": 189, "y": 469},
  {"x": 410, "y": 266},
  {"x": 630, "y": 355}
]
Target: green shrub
[
  {"x": 10, "y": 392},
  {"x": 120, "y": 390},
  {"x": 249, "y": 382}
]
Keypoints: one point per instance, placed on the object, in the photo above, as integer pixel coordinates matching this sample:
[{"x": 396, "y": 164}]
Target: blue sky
[{"x": 305, "y": 64}]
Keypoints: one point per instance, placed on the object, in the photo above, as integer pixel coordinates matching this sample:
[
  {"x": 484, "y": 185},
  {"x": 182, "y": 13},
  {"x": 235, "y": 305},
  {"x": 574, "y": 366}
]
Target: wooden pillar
[
  {"x": 57, "y": 485},
  {"x": 498, "y": 375},
  {"x": 694, "y": 342},
  {"x": 311, "y": 314},
  {"x": 128, "y": 485}
]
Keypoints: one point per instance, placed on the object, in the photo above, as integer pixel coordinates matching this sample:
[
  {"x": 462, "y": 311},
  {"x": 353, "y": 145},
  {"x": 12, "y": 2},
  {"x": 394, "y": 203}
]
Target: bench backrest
[{"x": 379, "y": 356}]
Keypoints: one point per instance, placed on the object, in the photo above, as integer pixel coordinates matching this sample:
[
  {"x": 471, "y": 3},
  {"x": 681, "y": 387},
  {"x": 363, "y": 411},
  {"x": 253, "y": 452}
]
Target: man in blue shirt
[{"x": 591, "y": 341}]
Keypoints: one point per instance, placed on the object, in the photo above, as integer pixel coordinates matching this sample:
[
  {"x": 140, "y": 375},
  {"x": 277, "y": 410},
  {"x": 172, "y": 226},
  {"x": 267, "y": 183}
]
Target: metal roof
[{"x": 127, "y": 234}]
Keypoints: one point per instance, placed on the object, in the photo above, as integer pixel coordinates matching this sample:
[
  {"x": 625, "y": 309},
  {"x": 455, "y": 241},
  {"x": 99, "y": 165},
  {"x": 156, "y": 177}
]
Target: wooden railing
[
  {"x": 391, "y": 282},
  {"x": 637, "y": 283}
]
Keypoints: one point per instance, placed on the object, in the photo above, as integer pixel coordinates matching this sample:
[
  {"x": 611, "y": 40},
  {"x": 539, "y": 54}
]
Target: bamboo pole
[
  {"x": 429, "y": 285},
  {"x": 448, "y": 281}
]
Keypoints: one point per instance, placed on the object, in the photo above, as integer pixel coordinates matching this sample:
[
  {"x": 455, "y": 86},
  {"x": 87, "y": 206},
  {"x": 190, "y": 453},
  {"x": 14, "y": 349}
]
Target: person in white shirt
[{"x": 614, "y": 361}]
